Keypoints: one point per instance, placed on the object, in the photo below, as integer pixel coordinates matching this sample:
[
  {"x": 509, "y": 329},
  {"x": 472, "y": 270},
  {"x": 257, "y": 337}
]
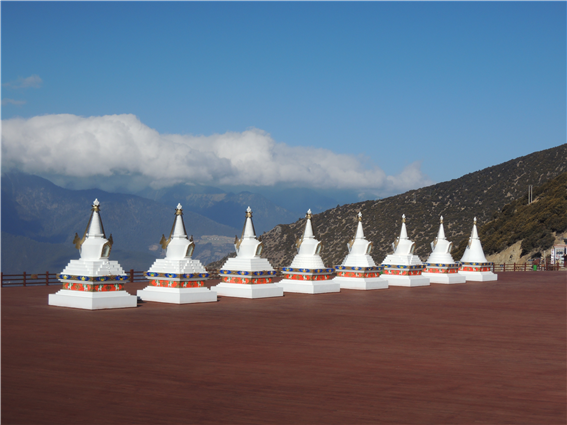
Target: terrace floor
[{"x": 491, "y": 353}]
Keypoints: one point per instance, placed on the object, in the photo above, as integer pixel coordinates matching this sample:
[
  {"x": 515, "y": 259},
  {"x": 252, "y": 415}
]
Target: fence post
[
  {"x": 1, "y": 278},
  {"x": 131, "y": 275},
  {"x": 47, "y": 278},
  {"x": 24, "y": 279}
]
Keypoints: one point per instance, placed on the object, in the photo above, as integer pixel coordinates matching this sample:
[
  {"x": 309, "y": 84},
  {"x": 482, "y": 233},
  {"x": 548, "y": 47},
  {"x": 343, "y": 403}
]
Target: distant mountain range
[
  {"x": 40, "y": 219},
  {"x": 223, "y": 207},
  {"x": 481, "y": 194}
]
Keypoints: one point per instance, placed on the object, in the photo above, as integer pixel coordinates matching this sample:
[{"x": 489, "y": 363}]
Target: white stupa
[
  {"x": 403, "y": 268},
  {"x": 440, "y": 266},
  {"x": 307, "y": 273},
  {"x": 474, "y": 266},
  {"x": 358, "y": 270},
  {"x": 177, "y": 278},
  {"x": 93, "y": 282},
  {"x": 247, "y": 275}
]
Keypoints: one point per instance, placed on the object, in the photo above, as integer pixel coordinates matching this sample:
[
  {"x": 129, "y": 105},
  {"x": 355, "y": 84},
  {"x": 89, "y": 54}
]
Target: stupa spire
[
  {"x": 474, "y": 233},
  {"x": 441, "y": 234},
  {"x": 178, "y": 230},
  {"x": 248, "y": 231},
  {"x": 95, "y": 228},
  {"x": 359, "y": 231},
  {"x": 403, "y": 232},
  {"x": 308, "y": 232}
]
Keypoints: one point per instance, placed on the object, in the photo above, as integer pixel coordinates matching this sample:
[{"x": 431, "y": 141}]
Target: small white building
[
  {"x": 440, "y": 266},
  {"x": 93, "y": 282},
  {"x": 358, "y": 270},
  {"x": 248, "y": 275},
  {"x": 403, "y": 267},
  {"x": 177, "y": 278},
  {"x": 474, "y": 266},
  {"x": 307, "y": 273}
]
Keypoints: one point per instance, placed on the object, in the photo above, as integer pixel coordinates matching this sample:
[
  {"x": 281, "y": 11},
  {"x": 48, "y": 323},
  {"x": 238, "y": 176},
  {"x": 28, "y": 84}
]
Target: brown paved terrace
[{"x": 490, "y": 353}]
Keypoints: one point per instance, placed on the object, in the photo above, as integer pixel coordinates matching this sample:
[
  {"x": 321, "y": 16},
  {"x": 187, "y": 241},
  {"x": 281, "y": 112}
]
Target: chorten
[
  {"x": 247, "y": 275},
  {"x": 93, "y": 282},
  {"x": 403, "y": 268},
  {"x": 474, "y": 265},
  {"x": 177, "y": 278},
  {"x": 440, "y": 266},
  {"x": 358, "y": 270},
  {"x": 307, "y": 273}
]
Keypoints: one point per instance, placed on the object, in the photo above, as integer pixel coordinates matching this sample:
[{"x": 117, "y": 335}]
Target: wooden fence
[{"x": 47, "y": 278}]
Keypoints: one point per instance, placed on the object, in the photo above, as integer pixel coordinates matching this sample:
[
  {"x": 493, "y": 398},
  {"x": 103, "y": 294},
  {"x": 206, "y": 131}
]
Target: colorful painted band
[
  {"x": 177, "y": 284},
  {"x": 357, "y": 275},
  {"x": 403, "y": 267},
  {"x": 475, "y": 269},
  {"x": 302, "y": 270},
  {"x": 440, "y": 271},
  {"x": 93, "y": 278},
  {"x": 359, "y": 269},
  {"x": 89, "y": 287},
  {"x": 178, "y": 275},
  {"x": 308, "y": 276},
  {"x": 402, "y": 272},
  {"x": 247, "y": 280},
  {"x": 467, "y": 264},
  {"x": 247, "y": 273}
]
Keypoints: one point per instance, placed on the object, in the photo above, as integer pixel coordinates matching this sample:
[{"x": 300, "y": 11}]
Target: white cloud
[
  {"x": 7, "y": 101},
  {"x": 23, "y": 83},
  {"x": 122, "y": 147}
]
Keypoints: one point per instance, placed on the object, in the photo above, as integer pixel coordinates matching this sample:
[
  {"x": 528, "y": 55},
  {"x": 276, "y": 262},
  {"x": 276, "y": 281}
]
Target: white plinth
[
  {"x": 93, "y": 300},
  {"x": 244, "y": 290},
  {"x": 177, "y": 295},
  {"x": 361, "y": 283},
  {"x": 410, "y": 281},
  {"x": 479, "y": 276},
  {"x": 446, "y": 278},
  {"x": 309, "y": 287}
]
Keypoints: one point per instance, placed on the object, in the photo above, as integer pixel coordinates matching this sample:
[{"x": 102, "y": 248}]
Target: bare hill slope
[{"x": 480, "y": 194}]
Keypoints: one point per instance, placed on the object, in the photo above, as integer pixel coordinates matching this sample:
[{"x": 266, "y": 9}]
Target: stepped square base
[
  {"x": 410, "y": 281},
  {"x": 308, "y": 281},
  {"x": 177, "y": 295},
  {"x": 361, "y": 283},
  {"x": 447, "y": 278},
  {"x": 245, "y": 290},
  {"x": 309, "y": 287},
  {"x": 92, "y": 300},
  {"x": 479, "y": 276}
]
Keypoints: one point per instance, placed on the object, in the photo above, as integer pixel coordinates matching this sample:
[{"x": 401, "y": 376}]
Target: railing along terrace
[{"x": 47, "y": 278}]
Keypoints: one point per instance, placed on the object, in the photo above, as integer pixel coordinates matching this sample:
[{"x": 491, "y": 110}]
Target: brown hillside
[
  {"x": 479, "y": 194},
  {"x": 533, "y": 225}
]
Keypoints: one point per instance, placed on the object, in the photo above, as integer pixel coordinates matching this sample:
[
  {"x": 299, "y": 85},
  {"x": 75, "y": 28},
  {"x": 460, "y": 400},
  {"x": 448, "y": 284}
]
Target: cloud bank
[
  {"x": 121, "y": 148},
  {"x": 33, "y": 81}
]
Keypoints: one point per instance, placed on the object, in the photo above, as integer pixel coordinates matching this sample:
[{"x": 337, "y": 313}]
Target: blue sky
[{"x": 443, "y": 88}]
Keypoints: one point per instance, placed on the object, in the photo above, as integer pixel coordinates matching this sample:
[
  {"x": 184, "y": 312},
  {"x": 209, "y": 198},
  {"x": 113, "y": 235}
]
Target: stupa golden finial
[
  {"x": 96, "y": 206},
  {"x": 309, "y": 215},
  {"x": 441, "y": 219},
  {"x": 359, "y": 216},
  {"x": 248, "y": 212},
  {"x": 403, "y": 218},
  {"x": 179, "y": 210}
]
